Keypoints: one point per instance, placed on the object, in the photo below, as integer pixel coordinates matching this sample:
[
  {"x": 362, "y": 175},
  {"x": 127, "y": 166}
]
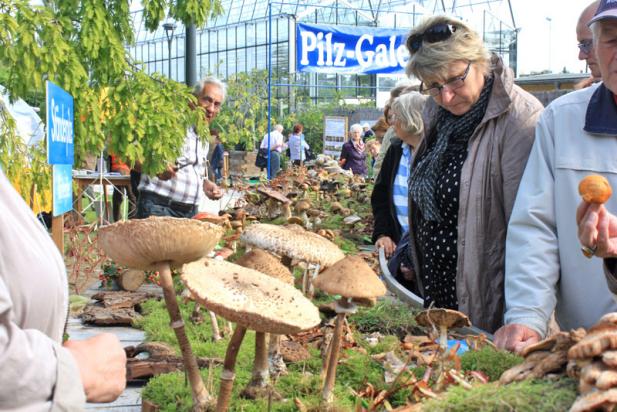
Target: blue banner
[
  {"x": 62, "y": 188},
  {"x": 59, "y": 125},
  {"x": 350, "y": 49}
]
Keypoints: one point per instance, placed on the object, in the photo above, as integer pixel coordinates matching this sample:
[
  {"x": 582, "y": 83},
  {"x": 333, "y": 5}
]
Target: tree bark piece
[
  {"x": 122, "y": 299},
  {"x": 97, "y": 315}
]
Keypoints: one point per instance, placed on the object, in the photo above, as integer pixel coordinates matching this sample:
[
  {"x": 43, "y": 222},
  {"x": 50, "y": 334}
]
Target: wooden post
[
  {"x": 57, "y": 226},
  {"x": 225, "y": 169}
]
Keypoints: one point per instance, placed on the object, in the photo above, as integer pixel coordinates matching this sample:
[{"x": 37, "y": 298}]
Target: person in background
[
  {"x": 389, "y": 200},
  {"x": 276, "y": 142},
  {"x": 39, "y": 372},
  {"x": 367, "y": 133},
  {"x": 545, "y": 269},
  {"x": 380, "y": 128},
  {"x": 118, "y": 166},
  {"x": 217, "y": 155},
  {"x": 479, "y": 129},
  {"x": 385, "y": 142},
  {"x": 297, "y": 145},
  {"x": 585, "y": 46},
  {"x": 372, "y": 149},
  {"x": 177, "y": 191},
  {"x": 353, "y": 153}
]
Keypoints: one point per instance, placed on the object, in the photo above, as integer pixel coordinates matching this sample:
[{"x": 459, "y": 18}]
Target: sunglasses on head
[{"x": 436, "y": 33}]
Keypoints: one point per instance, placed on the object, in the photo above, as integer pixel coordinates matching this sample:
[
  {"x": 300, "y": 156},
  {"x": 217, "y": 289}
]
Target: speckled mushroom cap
[
  {"x": 296, "y": 244},
  {"x": 249, "y": 298},
  {"x": 140, "y": 243},
  {"x": 442, "y": 317},
  {"x": 274, "y": 194},
  {"x": 265, "y": 263},
  {"x": 350, "y": 277}
]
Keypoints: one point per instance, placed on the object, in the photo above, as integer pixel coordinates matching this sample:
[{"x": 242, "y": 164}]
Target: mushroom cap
[
  {"x": 601, "y": 337},
  {"x": 352, "y": 220},
  {"x": 141, "y": 243},
  {"x": 295, "y": 220},
  {"x": 273, "y": 194},
  {"x": 264, "y": 262},
  {"x": 296, "y": 244},
  {"x": 249, "y": 298},
  {"x": 302, "y": 205},
  {"x": 442, "y": 317},
  {"x": 595, "y": 401},
  {"x": 350, "y": 277}
]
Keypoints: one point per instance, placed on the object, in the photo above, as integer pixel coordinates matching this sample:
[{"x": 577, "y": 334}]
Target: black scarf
[{"x": 451, "y": 130}]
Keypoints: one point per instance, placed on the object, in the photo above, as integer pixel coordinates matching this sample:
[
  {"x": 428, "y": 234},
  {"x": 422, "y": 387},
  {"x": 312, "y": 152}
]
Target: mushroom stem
[
  {"x": 443, "y": 338},
  {"x": 306, "y": 282},
  {"x": 216, "y": 333},
  {"x": 327, "y": 396},
  {"x": 201, "y": 397},
  {"x": 229, "y": 365},
  {"x": 276, "y": 364},
  {"x": 261, "y": 374}
]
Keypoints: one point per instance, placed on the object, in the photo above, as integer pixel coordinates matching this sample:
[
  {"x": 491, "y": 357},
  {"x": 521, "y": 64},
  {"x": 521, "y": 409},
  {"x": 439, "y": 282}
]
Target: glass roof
[{"x": 382, "y": 13}]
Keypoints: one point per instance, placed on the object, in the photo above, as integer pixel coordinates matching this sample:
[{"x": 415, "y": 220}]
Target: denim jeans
[
  {"x": 148, "y": 206},
  {"x": 275, "y": 163}
]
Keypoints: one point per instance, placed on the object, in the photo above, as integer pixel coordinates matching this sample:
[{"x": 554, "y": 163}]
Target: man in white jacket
[{"x": 545, "y": 269}]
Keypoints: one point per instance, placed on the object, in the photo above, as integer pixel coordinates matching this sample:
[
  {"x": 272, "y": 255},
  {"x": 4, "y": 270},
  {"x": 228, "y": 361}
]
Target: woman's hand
[
  {"x": 387, "y": 244},
  {"x": 597, "y": 229}
]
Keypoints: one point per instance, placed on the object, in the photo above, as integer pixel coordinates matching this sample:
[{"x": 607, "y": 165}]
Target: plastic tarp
[{"x": 28, "y": 123}]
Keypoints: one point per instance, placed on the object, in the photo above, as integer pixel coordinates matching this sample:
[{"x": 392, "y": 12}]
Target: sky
[{"x": 548, "y": 44}]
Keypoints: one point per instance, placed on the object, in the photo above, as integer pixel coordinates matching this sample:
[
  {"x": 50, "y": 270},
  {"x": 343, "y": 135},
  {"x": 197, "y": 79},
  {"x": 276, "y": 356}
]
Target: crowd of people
[{"x": 475, "y": 201}]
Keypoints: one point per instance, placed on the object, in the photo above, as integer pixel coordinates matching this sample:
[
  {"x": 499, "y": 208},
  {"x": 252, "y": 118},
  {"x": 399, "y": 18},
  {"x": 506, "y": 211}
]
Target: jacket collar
[{"x": 601, "y": 116}]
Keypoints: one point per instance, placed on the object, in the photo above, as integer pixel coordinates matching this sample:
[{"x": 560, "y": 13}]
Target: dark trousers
[{"x": 151, "y": 204}]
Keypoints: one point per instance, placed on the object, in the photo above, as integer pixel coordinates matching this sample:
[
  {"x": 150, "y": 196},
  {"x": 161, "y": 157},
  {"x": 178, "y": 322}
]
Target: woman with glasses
[
  {"x": 353, "y": 153},
  {"x": 465, "y": 174}
]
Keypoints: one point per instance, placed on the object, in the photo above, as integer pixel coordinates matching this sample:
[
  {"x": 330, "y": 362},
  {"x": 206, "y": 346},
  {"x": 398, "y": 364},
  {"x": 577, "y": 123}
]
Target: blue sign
[
  {"x": 350, "y": 49},
  {"x": 62, "y": 189},
  {"x": 59, "y": 125}
]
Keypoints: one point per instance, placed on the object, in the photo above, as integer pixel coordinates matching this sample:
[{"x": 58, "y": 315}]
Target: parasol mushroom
[
  {"x": 274, "y": 197},
  {"x": 350, "y": 277},
  {"x": 251, "y": 299},
  {"x": 265, "y": 263},
  {"x": 160, "y": 243},
  {"x": 295, "y": 243},
  {"x": 444, "y": 319}
]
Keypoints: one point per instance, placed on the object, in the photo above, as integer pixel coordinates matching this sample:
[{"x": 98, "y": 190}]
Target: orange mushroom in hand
[{"x": 595, "y": 189}]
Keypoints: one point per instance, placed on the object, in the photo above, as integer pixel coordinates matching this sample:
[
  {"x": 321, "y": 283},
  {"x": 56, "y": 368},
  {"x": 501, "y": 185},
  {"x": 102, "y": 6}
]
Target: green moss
[
  {"x": 388, "y": 316},
  {"x": 490, "y": 361},
  {"x": 526, "y": 396}
]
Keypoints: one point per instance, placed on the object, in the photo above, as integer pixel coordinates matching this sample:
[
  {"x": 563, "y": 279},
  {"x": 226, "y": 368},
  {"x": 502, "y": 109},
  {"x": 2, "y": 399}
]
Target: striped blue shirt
[{"x": 400, "y": 189}]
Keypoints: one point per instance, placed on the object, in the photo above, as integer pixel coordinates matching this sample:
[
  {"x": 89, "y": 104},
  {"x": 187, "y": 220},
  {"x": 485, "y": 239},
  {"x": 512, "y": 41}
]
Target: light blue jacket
[{"x": 545, "y": 269}]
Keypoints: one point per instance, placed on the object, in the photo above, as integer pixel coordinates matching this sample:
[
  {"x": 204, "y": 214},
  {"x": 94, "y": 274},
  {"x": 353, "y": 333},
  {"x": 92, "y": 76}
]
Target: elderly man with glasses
[
  {"x": 545, "y": 270},
  {"x": 585, "y": 45},
  {"x": 177, "y": 191},
  {"x": 465, "y": 174}
]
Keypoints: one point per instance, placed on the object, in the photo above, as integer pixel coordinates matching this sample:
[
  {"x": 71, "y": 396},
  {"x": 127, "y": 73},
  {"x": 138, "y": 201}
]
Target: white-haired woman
[
  {"x": 353, "y": 152},
  {"x": 465, "y": 174}
]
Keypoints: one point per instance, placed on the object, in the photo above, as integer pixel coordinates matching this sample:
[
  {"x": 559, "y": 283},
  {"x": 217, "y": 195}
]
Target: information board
[
  {"x": 62, "y": 189},
  {"x": 59, "y": 125},
  {"x": 335, "y": 134}
]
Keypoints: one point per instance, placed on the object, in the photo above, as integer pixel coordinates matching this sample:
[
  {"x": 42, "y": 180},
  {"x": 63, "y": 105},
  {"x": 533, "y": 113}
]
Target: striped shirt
[
  {"x": 400, "y": 189},
  {"x": 186, "y": 187}
]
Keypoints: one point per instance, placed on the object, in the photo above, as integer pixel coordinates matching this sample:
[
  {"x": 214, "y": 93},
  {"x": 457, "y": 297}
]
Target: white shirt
[{"x": 276, "y": 138}]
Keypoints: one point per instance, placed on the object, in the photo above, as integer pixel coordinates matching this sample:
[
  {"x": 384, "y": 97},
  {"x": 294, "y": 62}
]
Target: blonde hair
[
  {"x": 434, "y": 59},
  {"x": 408, "y": 108}
]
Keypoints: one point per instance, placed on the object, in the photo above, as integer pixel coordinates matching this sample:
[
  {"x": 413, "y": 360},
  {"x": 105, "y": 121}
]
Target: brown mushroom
[
  {"x": 302, "y": 206},
  {"x": 163, "y": 243},
  {"x": 599, "y": 400},
  {"x": 275, "y": 197},
  {"x": 251, "y": 299},
  {"x": 350, "y": 277},
  {"x": 444, "y": 319}
]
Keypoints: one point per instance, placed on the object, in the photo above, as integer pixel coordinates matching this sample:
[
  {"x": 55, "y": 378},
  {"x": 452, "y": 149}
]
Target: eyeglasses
[
  {"x": 209, "y": 101},
  {"x": 438, "y": 32},
  {"x": 453, "y": 84},
  {"x": 585, "y": 46}
]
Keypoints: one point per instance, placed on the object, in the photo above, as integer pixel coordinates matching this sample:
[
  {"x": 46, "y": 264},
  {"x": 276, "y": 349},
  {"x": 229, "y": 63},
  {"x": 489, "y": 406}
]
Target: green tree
[{"x": 79, "y": 45}]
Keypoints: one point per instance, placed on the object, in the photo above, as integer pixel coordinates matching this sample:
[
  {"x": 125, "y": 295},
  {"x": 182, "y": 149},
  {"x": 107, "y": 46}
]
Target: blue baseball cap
[{"x": 606, "y": 10}]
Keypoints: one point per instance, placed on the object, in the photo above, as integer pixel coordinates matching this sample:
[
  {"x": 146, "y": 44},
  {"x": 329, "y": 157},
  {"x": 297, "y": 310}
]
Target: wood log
[
  {"x": 99, "y": 315},
  {"x": 121, "y": 299},
  {"x": 131, "y": 279}
]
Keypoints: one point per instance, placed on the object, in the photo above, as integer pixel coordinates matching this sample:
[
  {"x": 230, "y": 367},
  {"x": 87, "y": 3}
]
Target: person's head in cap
[
  {"x": 604, "y": 28},
  {"x": 585, "y": 39}
]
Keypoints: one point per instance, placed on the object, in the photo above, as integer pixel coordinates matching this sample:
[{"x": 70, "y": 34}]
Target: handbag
[{"x": 261, "y": 161}]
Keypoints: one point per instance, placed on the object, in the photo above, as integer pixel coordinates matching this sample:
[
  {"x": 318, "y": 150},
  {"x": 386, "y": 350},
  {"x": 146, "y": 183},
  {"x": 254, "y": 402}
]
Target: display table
[{"x": 120, "y": 182}]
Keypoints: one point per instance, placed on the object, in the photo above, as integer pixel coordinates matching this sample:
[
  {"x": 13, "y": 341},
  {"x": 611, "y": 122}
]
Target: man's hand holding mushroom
[
  {"x": 515, "y": 337},
  {"x": 597, "y": 228},
  {"x": 212, "y": 190}
]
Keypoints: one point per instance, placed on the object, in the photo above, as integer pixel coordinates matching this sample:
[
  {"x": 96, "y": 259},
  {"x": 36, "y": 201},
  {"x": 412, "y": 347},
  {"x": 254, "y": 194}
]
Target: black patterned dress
[{"x": 437, "y": 241}]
